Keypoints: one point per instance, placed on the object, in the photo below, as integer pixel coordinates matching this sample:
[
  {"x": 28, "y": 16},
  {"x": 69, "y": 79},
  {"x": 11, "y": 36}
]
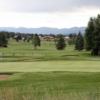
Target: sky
[{"x": 47, "y": 13}]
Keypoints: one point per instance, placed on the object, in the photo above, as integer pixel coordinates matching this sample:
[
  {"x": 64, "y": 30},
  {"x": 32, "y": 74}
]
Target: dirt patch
[{"x": 4, "y": 77}]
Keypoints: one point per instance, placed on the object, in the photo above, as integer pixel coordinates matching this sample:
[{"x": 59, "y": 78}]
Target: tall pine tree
[
  {"x": 89, "y": 34},
  {"x": 92, "y": 36},
  {"x": 96, "y": 37},
  {"x": 79, "y": 44}
]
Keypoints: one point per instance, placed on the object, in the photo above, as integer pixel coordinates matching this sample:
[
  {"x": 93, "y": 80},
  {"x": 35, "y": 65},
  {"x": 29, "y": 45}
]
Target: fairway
[{"x": 43, "y": 66}]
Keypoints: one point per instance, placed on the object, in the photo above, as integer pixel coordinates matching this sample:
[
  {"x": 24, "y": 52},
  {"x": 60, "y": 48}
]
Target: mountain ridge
[{"x": 44, "y": 30}]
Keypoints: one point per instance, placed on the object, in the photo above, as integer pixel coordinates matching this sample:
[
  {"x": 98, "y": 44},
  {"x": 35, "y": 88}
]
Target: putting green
[{"x": 82, "y": 66}]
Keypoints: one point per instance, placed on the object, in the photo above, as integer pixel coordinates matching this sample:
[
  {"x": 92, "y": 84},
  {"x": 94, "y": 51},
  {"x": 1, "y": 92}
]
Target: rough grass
[{"x": 51, "y": 86}]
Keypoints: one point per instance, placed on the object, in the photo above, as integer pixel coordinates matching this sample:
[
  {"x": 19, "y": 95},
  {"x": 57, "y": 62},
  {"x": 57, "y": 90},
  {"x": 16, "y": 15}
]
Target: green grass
[
  {"x": 25, "y": 52},
  {"x": 51, "y": 86},
  {"x": 48, "y": 74},
  {"x": 44, "y": 66}
]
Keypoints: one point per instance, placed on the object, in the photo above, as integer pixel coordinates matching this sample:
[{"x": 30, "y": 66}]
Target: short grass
[
  {"x": 24, "y": 51},
  {"x": 44, "y": 66}
]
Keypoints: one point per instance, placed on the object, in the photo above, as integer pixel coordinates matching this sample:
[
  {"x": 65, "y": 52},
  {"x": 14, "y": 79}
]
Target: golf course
[{"x": 47, "y": 73}]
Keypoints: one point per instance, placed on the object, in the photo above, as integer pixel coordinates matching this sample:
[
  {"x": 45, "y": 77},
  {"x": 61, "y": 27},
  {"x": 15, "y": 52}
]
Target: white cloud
[{"x": 59, "y": 20}]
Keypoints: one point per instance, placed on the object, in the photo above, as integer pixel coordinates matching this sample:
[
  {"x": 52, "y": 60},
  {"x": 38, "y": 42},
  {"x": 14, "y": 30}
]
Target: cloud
[{"x": 47, "y": 5}]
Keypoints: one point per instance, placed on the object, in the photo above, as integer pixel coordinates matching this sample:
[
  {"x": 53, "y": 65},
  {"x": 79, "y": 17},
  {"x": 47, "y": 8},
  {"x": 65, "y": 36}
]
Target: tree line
[{"x": 34, "y": 38}]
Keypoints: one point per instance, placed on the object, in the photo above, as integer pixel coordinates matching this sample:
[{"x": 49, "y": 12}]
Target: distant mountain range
[{"x": 44, "y": 30}]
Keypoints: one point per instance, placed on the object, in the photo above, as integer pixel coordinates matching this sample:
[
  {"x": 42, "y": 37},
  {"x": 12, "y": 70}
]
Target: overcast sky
[{"x": 47, "y": 13}]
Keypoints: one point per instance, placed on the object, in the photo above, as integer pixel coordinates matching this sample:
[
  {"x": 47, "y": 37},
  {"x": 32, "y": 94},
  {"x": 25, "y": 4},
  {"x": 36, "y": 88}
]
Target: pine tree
[
  {"x": 60, "y": 43},
  {"x": 92, "y": 37},
  {"x": 36, "y": 41},
  {"x": 79, "y": 44},
  {"x": 89, "y": 35},
  {"x": 3, "y": 39},
  {"x": 96, "y": 37}
]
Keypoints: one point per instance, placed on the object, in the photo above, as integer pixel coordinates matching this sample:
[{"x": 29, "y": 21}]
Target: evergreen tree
[
  {"x": 92, "y": 37},
  {"x": 79, "y": 44},
  {"x": 3, "y": 39},
  {"x": 36, "y": 41},
  {"x": 60, "y": 43},
  {"x": 96, "y": 37},
  {"x": 89, "y": 35}
]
